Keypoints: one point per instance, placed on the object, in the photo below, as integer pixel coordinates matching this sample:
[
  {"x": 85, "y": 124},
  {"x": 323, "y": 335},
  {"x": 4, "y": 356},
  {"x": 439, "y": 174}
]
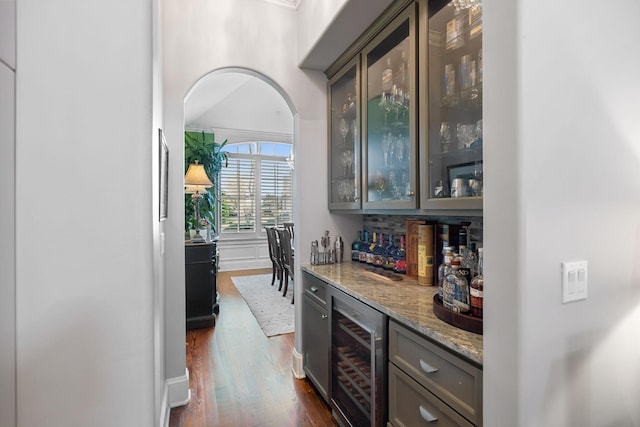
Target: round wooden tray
[{"x": 459, "y": 320}]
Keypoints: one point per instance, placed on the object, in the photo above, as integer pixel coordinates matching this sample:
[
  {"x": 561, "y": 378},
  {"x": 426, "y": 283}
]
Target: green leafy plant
[{"x": 203, "y": 147}]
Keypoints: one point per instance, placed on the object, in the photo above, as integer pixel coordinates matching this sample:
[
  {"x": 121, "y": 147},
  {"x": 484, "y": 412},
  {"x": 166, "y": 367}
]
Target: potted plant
[{"x": 202, "y": 146}]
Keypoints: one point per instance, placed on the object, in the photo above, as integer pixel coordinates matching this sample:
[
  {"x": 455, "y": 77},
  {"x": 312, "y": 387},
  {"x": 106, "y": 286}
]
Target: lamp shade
[{"x": 197, "y": 176}]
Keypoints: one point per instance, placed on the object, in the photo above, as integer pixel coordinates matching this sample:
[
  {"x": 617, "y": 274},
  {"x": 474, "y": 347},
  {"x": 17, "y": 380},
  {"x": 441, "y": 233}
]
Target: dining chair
[
  {"x": 275, "y": 256},
  {"x": 287, "y": 259}
]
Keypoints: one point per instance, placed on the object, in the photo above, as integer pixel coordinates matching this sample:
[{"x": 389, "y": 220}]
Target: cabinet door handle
[
  {"x": 324, "y": 316},
  {"x": 314, "y": 289},
  {"x": 426, "y": 415},
  {"x": 411, "y": 193},
  {"x": 427, "y": 368}
]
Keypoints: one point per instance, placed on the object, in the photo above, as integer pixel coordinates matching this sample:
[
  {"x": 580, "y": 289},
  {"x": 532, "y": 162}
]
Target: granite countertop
[{"x": 405, "y": 301}]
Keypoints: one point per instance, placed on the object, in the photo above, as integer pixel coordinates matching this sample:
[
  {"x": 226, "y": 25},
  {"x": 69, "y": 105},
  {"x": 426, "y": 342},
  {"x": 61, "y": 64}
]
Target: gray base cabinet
[
  {"x": 428, "y": 382},
  {"x": 315, "y": 334}
]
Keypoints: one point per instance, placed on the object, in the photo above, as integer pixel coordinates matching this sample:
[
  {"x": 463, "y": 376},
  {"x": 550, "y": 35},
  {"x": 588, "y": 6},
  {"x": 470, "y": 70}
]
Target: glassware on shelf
[
  {"x": 380, "y": 183},
  {"x": 347, "y": 162},
  {"x": 445, "y": 137},
  {"x": 441, "y": 189},
  {"x": 385, "y": 106},
  {"x": 344, "y": 130},
  {"x": 399, "y": 149},
  {"x": 386, "y": 145},
  {"x": 467, "y": 135}
]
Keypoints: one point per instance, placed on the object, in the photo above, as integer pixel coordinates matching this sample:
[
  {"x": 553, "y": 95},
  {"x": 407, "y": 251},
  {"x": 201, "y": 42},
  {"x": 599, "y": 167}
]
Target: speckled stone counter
[{"x": 405, "y": 301}]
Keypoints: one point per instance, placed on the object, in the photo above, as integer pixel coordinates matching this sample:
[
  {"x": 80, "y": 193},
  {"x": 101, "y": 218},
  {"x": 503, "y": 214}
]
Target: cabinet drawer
[
  {"x": 315, "y": 288},
  {"x": 411, "y": 405},
  {"x": 453, "y": 380},
  {"x": 199, "y": 253}
]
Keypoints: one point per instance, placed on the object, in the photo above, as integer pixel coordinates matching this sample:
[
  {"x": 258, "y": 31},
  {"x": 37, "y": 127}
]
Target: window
[{"x": 256, "y": 187}]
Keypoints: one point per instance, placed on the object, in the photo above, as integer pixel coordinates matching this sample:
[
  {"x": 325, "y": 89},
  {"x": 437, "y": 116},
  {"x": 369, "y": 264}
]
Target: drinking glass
[
  {"x": 344, "y": 129},
  {"x": 380, "y": 183},
  {"x": 445, "y": 137}
]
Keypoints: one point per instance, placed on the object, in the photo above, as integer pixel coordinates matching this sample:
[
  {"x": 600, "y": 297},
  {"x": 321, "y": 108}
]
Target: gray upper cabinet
[
  {"x": 390, "y": 168},
  {"x": 451, "y": 105},
  {"x": 344, "y": 137},
  {"x": 405, "y": 113}
]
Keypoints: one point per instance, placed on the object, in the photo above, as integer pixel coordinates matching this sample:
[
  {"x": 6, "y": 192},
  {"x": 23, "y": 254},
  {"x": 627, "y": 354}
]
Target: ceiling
[{"x": 238, "y": 104}]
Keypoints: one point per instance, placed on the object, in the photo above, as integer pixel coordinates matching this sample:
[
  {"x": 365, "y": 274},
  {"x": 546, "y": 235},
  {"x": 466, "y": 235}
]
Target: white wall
[
  {"x": 201, "y": 36},
  {"x": 7, "y": 248},
  {"x": 562, "y": 183},
  {"x": 84, "y": 146}
]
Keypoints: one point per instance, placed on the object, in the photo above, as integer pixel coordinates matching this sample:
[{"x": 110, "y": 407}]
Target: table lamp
[{"x": 196, "y": 183}]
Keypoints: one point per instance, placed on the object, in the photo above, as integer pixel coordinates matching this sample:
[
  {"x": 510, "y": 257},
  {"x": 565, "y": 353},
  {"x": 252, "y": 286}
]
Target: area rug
[{"x": 273, "y": 312}]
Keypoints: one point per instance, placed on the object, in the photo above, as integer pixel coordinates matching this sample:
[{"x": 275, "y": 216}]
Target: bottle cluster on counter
[
  {"x": 460, "y": 282},
  {"x": 459, "y": 276},
  {"x": 375, "y": 251}
]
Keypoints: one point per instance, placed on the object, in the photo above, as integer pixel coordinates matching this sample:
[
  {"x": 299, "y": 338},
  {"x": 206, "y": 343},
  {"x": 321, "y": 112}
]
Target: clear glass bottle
[
  {"x": 455, "y": 289},
  {"x": 364, "y": 244},
  {"x": 378, "y": 252},
  {"x": 477, "y": 287},
  {"x": 443, "y": 269},
  {"x": 388, "y": 253},
  {"x": 468, "y": 258},
  {"x": 387, "y": 77},
  {"x": 400, "y": 258},
  {"x": 372, "y": 244},
  {"x": 355, "y": 247}
]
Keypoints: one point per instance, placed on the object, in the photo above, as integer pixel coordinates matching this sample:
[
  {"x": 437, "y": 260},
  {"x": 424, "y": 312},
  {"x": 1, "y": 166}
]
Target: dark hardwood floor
[{"x": 239, "y": 377}]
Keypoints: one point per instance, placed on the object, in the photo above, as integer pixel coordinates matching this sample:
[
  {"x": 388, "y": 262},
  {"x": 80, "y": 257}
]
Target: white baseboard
[
  {"x": 297, "y": 364},
  {"x": 243, "y": 264},
  {"x": 179, "y": 393}
]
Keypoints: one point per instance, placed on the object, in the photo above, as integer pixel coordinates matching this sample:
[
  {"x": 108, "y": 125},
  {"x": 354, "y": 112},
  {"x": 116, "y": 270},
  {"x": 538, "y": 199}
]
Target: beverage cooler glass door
[
  {"x": 344, "y": 138},
  {"x": 357, "y": 362},
  {"x": 455, "y": 105},
  {"x": 389, "y": 111}
]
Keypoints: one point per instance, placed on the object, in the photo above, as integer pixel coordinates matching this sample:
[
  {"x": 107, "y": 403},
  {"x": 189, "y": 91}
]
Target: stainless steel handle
[
  {"x": 324, "y": 316},
  {"x": 411, "y": 193},
  {"x": 426, "y": 415},
  {"x": 314, "y": 289},
  {"x": 427, "y": 368}
]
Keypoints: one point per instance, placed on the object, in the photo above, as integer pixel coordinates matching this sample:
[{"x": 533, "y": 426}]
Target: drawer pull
[
  {"x": 314, "y": 289},
  {"x": 324, "y": 316},
  {"x": 427, "y": 368},
  {"x": 426, "y": 415}
]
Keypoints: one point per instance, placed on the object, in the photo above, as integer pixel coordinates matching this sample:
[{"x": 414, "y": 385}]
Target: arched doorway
[{"x": 246, "y": 109}]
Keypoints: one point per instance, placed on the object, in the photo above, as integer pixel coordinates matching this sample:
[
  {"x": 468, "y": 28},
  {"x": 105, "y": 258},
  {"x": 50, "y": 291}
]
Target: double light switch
[{"x": 574, "y": 281}]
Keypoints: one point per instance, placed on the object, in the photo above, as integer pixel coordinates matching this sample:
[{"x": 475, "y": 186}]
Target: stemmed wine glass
[
  {"x": 380, "y": 183},
  {"x": 386, "y": 144},
  {"x": 347, "y": 161},
  {"x": 385, "y": 106},
  {"x": 344, "y": 129},
  {"x": 399, "y": 149}
]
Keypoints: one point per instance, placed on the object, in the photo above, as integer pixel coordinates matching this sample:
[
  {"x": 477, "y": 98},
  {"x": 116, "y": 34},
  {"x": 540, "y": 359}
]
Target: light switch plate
[{"x": 574, "y": 281}]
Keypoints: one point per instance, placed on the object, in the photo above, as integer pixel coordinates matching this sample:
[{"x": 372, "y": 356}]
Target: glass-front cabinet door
[
  {"x": 454, "y": 98},
  {"x": 344, "y": 134},
  {"x": 389, "y": 111}
]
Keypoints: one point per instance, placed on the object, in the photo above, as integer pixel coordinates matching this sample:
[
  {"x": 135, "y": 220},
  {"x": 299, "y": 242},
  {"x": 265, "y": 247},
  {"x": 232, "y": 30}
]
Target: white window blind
[
  {"x": 276, "y": 201},
  {"x": 237, "y": 188}
]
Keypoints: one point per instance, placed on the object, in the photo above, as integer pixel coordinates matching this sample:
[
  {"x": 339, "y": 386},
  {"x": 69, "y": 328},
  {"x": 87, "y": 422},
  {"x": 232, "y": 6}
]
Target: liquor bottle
[
  {"x": 455, "y": 289},
  {"x": 372, "y": 244},
  {"x": 400, "y": 258},
  {"x": 362, "y": 252},
  {"x": 468, "y": 258},
  {"x": 477, "y": 288},
  {"x": 355, "y": 247},
  {"x": 388, "y": 253},
  {"x": 443, "y": 269},
  {"x": 378, "y": 252}
]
